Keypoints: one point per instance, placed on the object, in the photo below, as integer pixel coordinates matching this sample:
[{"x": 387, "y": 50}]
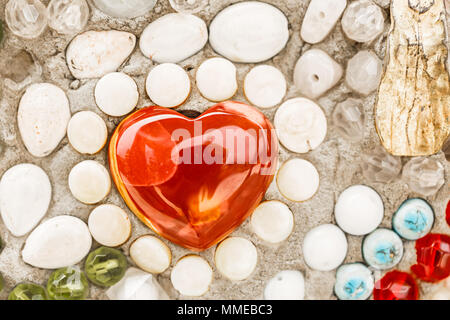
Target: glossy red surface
[
  {"x": 193, "y": 190},
  {"x": 447, "y": 213},
  {"x": 396, "y": 285},
  {"x": 433, "y": 257}
]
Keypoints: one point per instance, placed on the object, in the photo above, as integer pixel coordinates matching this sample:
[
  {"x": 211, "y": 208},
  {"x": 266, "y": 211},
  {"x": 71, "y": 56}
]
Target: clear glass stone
[
  {"x": 188, "y": 6},
  {"x": 125, "y": 8},
  {"x": 68, "y": 16},
  {"x": 26, "y": 18},
  {"x": 424, "y": 175},
  {"x": 364, "y": 72},
  {"x": 18, "y": 67},
  {"x": 380, "y": 166},
  {"x": 348, "y": 119},
  {"x": 363, "y": 21}
]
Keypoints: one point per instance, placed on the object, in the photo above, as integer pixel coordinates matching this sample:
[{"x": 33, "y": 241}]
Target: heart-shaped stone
[{"x": 193, "y": 181}]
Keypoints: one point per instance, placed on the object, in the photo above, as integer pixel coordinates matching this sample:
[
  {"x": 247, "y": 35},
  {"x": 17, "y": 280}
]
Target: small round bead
[
  {"x": 150, "y": 254},
  {"x": 285, "y": 285},
  {"x": 191, "y": 276},
  {"x": 67, "y": 284},
  {"x": 109, "y": 225},
  {"x": 265, "y": 86},
  {"x": 382, "y": 249},
  {"x": 236, "y": 258},
  {"x": 28, "y": 291},
  {"x": 354, "y": 281},
  {"x": 105, "y": 266},
  {"x": 363, "y": 73},
  {"x": 413, "y": 219},
  {"x": 216, "y": 79},
  {"x": 272, "y": 221},
  {"x": 87, "y": 132}
]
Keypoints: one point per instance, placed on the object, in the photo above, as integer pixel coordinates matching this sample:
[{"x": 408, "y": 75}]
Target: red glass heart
[
  {"x": 396, "y": 285},
  {"x": 193, "y": 181},
  {"x": 447, "y": 213}
]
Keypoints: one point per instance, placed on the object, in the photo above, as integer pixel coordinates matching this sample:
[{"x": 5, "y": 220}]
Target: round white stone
[
  {"x": 58, "y": 242},
  {"x": 364, "y": 72},
  {"x": 320, "y": 18},
  {"x": 265, "y": 86},
  {"x": 87, "y": 132},
  {"x": 216, "y": 79},
  {"x": 109, "y": 225},
  {"x": 236, "y": 258},
  {"x": 249, "y": 32},
  {"x": 191, "y": 276},
  {"x": 285, "y": 285},
  {"x": 315, "y": 73},
  {"x": 116, "y": 94},
  {"x": 359, "y": 210},
  {"x": 301, "y": 125},
  {"x": 150, "y": 254},
  {"x": 272, "y": 221},
  {"x": 168, "y": 85},
  {"x": 42, "y": 118},
  {"x": 173, "y": 37},
  {"x": 363, "y": 21},
  {"x": 324, "y": 247},
  {"x": 298, "y": 180},
  {"x": 89, "y": 182},
  {"x": 25, "y": 193}
]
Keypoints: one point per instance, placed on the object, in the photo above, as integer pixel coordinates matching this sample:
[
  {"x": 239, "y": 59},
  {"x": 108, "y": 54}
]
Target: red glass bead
[
  {"x": 433, "y": 257},
  {"x": 396, "y": 285},
  {"x": 447, "y": 213},
  {"x": 157, "y": 160}
]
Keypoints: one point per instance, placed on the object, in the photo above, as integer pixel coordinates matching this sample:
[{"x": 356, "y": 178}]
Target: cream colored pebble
[
  {"x": 87, "y": 132},
  {"x": 109, "y": 225},
  {"x": 191, "y": 276},
  {"x": 272, "y": 221},
  {"x": 216, "y": 79},
  {"x": 265, "y": 86},
  {"x": 150, "y": 254}
]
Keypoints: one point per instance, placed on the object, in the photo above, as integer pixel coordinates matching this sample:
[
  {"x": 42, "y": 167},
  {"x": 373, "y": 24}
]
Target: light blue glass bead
[
  {"x": 413, "y": 219},
  {"x": 382, "y": 249},
  {"x": 354, "y": 281}
]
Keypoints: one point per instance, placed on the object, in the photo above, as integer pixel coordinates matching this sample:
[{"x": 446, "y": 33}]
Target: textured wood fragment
[{"x": 413, "y": 106}]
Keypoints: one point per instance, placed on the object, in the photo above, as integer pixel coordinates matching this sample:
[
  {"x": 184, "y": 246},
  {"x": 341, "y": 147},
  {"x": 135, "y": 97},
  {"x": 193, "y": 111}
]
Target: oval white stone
[
  {"x": 320, "y": 19},
  {"x": 173, "y": 37},
  {"x": 93, "y": 54},
  {"x": 191, "y": 276},
  {"x": 301, "y": 125},
  {"x": 58, "y": 242},
  {"x": 315, "y": 73},
  {"x": 42, "y": 118},
  {"x": 89, "y": 182},
  {"x": 25, "y": 193},
  {"x": 116, "y": 94},
  {"x": 286, "y": 285},
  {"x": 364, "y": 71},
  {"x": 236, "y": 258},
  {"x": 150, "y": 254},
  {"x": 265, "y": 86},
  {"x": 272, "y": 221},
  {"x": 298, "y": 180},
  {"x": 216, "y": 79},
  {"x": 359, "y": 210},
  {"x": 249, "y": 32},
  {"x": 87, "y": 132},
  {"x": 109, "y": 225},
  {"x": 324, "y": 247},
  {"x": 168, "y": 85}
]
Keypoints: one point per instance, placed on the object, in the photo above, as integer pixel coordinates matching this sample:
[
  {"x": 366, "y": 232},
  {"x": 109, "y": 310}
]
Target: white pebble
[
  {"x": 109, "y": 225},
  {"x": 320, "y": 19},
  {"x": 285, "y": 285},
  {"x": 168, "y": 85},
  {"x": 93, "y": 54},
  {"x": 191, "y": 276},
  {"x": 173, "y": 37},
  {"x": 89, "y": 182},
  {"x": 265, "y": 86},
  {"x": 87, "y": 132},
  {"x": 116, "y": 94},
  {"x": 42, "y": 118},
  {"x": 315, "y": 73},
  {"x": 364, "y": 71},
  {"x": 298, "y": 180},
  {"x": 272, "y": 221},
  {"x": 25, "y": 193},
  {"x": 301, "y": 125},
  {"x": 324, "y": 247},
  {"x": 59, "y": 242},
  {"x": 150, "y": 254},
  {"x": 216, "y": 79},
  {"x": 359, "y": 210},
  {"x": 249, "y": 32},
  {"x": 236, "y": 258}
]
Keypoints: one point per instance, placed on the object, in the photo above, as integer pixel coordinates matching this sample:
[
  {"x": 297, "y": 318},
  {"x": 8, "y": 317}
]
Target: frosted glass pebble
[
  {"x": 265, "y": 86},
  {"x": 216, "y": 79},
  {"x": 109, "y": 225},
  {"x": 324, "y": 247},
  {"x": 424, "y": 175},
  {"x": 272, "y": 221},
  {"x": 68, "y": 16},
  {"x": 236, "y": 258},
  {"x": 89, "y": 182},
  {"x": 364, "y": 71},
  {"x": 188, "y": 6},
  {"x": 87, "y": 132},
  {"x": 348, "y": 119},
  {"x": 125, "y": 8},
  {"x": 168, "y": 85},
  {"x": 26, "y": 18},
  {"x": 354, "y": 281},
  {"x": 116, "y": 94},
  {"x": 285, "y": 285},
  {"x": 298, "y": 180},
  {"x": 413, "y": 219},
  {"x": 382, "y": 249},
  {"x": 150, "y": 254},
  {"x": 191, "y": 276}
]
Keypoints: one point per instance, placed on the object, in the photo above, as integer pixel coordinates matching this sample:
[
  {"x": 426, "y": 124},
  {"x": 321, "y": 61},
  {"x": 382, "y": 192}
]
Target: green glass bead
[
  {"x": 28, "y": 291},
  {"x": 105, "y": 266},
  {"x": 67, "y": 284}
]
